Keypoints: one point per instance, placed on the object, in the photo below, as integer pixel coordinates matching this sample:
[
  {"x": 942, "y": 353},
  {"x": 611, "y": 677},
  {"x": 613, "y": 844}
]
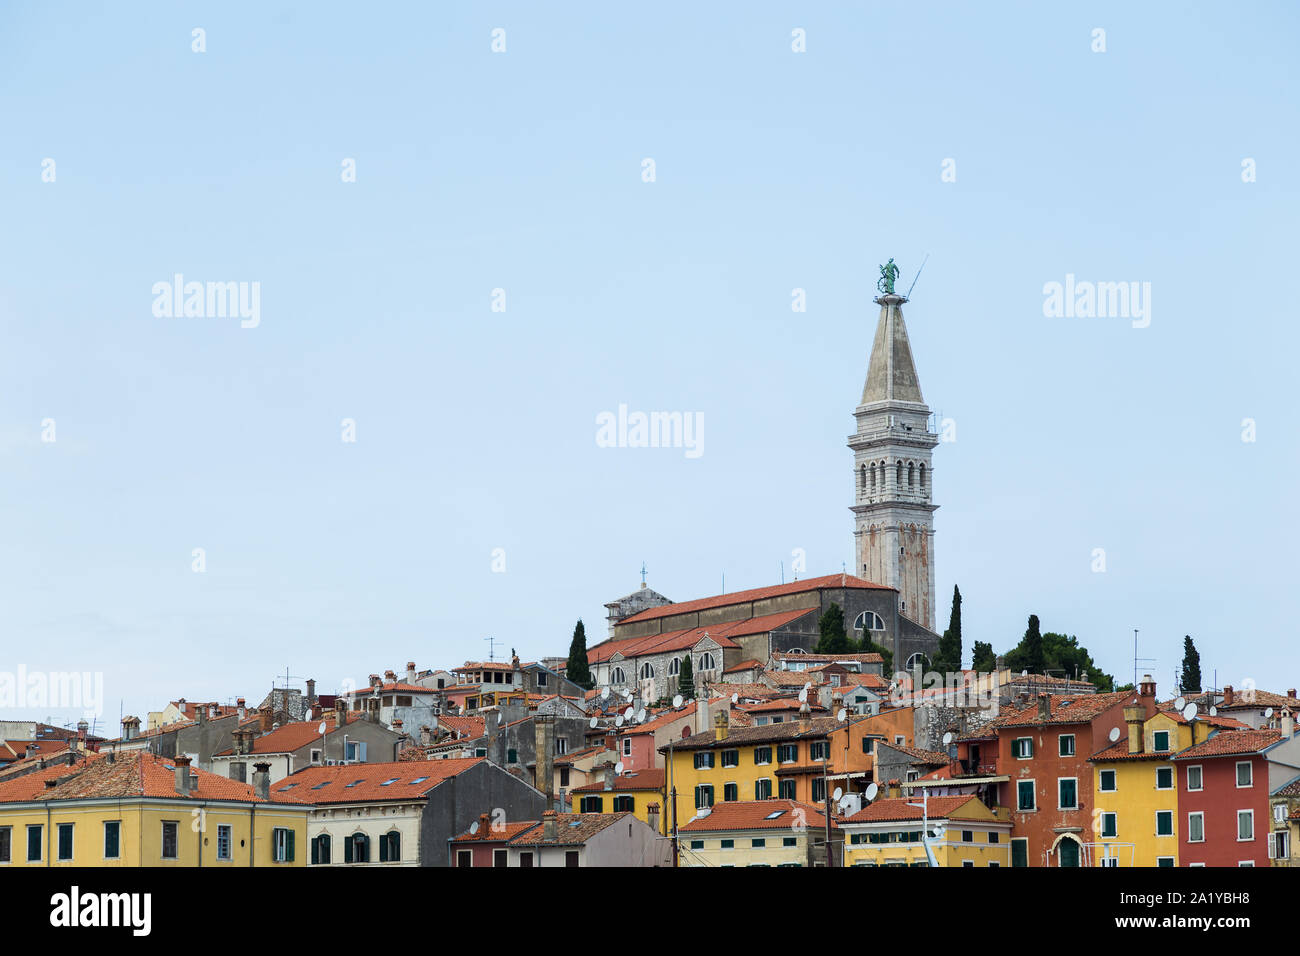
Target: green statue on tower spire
[{"x": 888, "y": 273}]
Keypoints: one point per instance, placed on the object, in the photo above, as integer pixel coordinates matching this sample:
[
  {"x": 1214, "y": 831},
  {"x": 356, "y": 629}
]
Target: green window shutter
[
  {"x": 347, "y": 850},
  {"x": 315, "y": 851}
]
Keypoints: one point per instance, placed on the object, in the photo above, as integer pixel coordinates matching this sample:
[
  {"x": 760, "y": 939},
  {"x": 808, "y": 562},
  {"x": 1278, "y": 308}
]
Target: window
[
  {"x": 1068, "y": 791},
  {"x": 526, "y": 860},
  {"x": 627, "y": 746},
  {"x": 762, "y": 755},
  {"x": 65, "y": 841},
  {"x": 1066, "y": 745},
  {"x": 789, "y": 841},
  {"x": 169, "y": 828},
  {"x": 512, "y": 755},
  {"x": 320, "y": 849},
  {"x": 1194, "y": 778},
  {"x": 731, "y": 758},
  {"x": 730, "y": 793},
  {"x": 818, "y": 789},
  {"x": 1196, "y": 827},
  {"x": 282, "y": 845},
  {"x": 819, "y": 750},
  {"x": 647, "y": 671},
  {"x": 500, "y": 858},
  {"x": 1280, "y": 845},
  {"x": 571, "y": 858},
  {"x": 674, "y": 667},
  {"x": 1109, "y": 825},
  {"x": 869, "y": 621},
  {"x": 967, "y": 862},
  {"x": 464, "y": 858},
  {"x": 867, "y": 745},
  {"x": 1160, "y": 741},
  {"x": 1020, "y": 852},
  {"x": 1245, "y": 776},
  {"x": 564, "y": 776},
  {"x": 112, "y": 839},
  {"x": 697, "y": 844},
  {"x": 541, "y": 678},
  {"x": 727, "y": 844},
  {"x": 591, "y": 805},
  {"x": 403, "y": 700},
  {"x": 786, "y": 789},
  {"x": 1164, "y": 778},
  {"x": 706, "y": 662},
  {"x": 478, "y": 752},
  {"x": 6, "y": 844},
  {"x": 390, "y": 847},
  {"x": 1022, "y": 748},
  {"x": 624, "y": 804},
  {"x": 617, "y": 677},
  {"x": 1164, "y": 823},
  {"x": 315, "y": 756},
  {"x": 356, "y": 849},
  {"x": 1025, "y": 795},
  {"x": 704, "y": 760},
  {"x": 1106, "y": 781},
  {"x": 561, "y": 745},
  {"x": 703, "y": 796},
  {"x": 787, "y": 753},
  {"x": 1245, "y": 826},
  {"x": 223, "y": 841},
  {"x": 763, "y": 788},
  {"x": 1164, "y": 861},
  {"x": 967, "y": 836},
  {"x": 994, "y": 836}
]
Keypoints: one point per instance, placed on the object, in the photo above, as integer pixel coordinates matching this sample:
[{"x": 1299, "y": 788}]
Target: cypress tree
[
  {"x": 578, "y": 670},
  {"x": 834, "y": 636},
  {"x": 982, "y": 657},
  {"x": 1190, "y": 681},
  {"x": 948, "y": 658},
  {"x": 1032, "y": 644},
  {"x": 686, "y": 678}
]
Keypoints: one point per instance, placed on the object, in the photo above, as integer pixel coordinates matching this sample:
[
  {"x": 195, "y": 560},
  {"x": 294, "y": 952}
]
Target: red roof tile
[
  {"x": 1227, "y": 743},
  {"x": 636, "y": 780},
  {"x": 900, "y": 809},
  {"x": 368, "y": 782},
  {"x": 758, "y": 815},
  {"x": 756, "y": 594}
]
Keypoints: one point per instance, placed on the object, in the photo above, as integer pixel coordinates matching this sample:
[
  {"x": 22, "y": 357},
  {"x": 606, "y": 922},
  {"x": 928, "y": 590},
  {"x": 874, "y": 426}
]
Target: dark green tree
[
  {"x": 1190, "y": 681},
  {"x": 948, "y": 658},
  {"x": 686, "y": 678},
  {"x": 578, "y": 670},
  {"x": 983, "y": 659},
  {"x": 834, "y": 636},
  {"x": 1028, "y": 654},
  {"x": 1058, "y": 655}
]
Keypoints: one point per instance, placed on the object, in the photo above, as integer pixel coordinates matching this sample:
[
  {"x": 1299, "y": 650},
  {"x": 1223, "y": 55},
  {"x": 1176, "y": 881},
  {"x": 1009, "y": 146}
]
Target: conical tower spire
[{"x": 891, "y": 374}]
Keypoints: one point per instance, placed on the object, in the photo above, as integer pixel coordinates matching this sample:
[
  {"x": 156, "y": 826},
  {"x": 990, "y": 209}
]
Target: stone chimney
[
  {"x": 1290, "y": 692},
  {"x": 1044, "y": 706},
  {"x": 410, "y": 672},
  {"x": 721, "y": 725},
  {"x": 130, "y": 728},
  {"x": 240, "y": 708},
  {"x": 262, "y": 780},
  {"x": 1148, "y": 687},
  {"x": 702, "y": 723},
  {"x": 652, "y": 816},
  {"x": 1288, "y": 723},
  {"x": 609, "y": 776},
  {"x": 544, "y": 765},
  {"x": 374, "y": 680},
  {"x": 311, "y": 692},
  {"x": 183, "y": 775},
  {"x": 805, "y": 717},
  {"x": 390, "y": 677},
  {"x": 1133, "y": 715},
  {"x": 340, "y": 712},
  {"x": 548, "y": 826},
  {"x": 426, "y": 735},
  {"x": 1227, "y": 696}
]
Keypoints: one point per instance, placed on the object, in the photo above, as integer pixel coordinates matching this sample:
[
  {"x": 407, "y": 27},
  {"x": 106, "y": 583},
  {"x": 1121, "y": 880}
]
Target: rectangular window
[
  {"x": 703, "y": 796},
  {"x": 223, "y": 841},
  {"x": 465, "y": 858},
  {"x": 624, "y": 804},
  {"x": 512, "y": 755},
  {"x": 1245, "y": 826},
  {"x": 994, "y": 836},
  {"x": 1106, "y": 781},
  {"x": 786, "y": 789},
  {"x": 591, "y": 805},
  {"x": 35, "y": 840},
  {"x": 967, "y": 836},
  {"x": 571, "y": 858},
  {"x": 730, "y": 793},
  {"x": 1109, "y": 825},
  {"x": 564, "y": 776},
  {"x": 500, "y": 858},
  {"x": 1025, "y": 799},
  {"x": 819, "y": 789},
  {"x": 697, "y": 844},
  {"x": 1164, "y": 778},
  {"x": 867, "y": 743},
  {"x": 282, "y": 845},
  {"x": 1194, "y": 778},
  {"x": 6, "y": 844},
  {"x": 1160, "y": 741},
  {"x": 561, "y": 745},
  {"x": 787, "y": 753},
  {"x": 1164, "y": 861},
  {"x": 1022, "y": 748},
  {"x": 1066, "y": 745},
  {"x": 169, "y": 829},
  {"x": 1244, "y": 775},
  {"x": 627, "y": 746},
  {"x": 731, "y": 758},
  {"x": 1068, "y": 792},
  {"x": 1196, "y": 827},
  {"x": 819, "y": 750},
  {"x": 1164, "y": 823},
  {"x": 763, "y": 788},
  {"x": 762, "y": 755},
  {"x": 728, "y": 844},
  {"x": 704, "y": 760},
  {"x": 758, "y": 842},
  {"x": 789, "y": 841},
  {"x": 1020, "y": 852},
  {"x": 65, "y": 841}
]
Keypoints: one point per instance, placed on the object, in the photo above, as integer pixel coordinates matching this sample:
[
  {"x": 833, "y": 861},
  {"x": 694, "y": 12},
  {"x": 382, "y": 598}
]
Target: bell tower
[{"x": 892, "y": 473}]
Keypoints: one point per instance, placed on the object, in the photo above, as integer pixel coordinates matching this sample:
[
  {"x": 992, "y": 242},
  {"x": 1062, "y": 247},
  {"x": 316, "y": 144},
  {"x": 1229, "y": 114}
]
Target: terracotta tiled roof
[
  {"x": 748, "y": 665},
  {"x": 754, "y": 691},
  {"x": 933, "y": 758},
  {"x": 1260, "y": 699},
  {"x": 770, "y": 733},
  {"x": 1291, "y": 789},
  {"x": 793, "y": 678},
  {"x": 1065, "y": 709},
  {"x": 686, "y": 711},
  {"x": 756, "y": 594},
  {"x": 17, "y": 749},
  {"x": 1119, "y": 751},
  {"x": 862, "y": 658},
  {"x": 369, "y": 782},
  {"x": 29, "y": 784},
  {"x": 293, "y": 736},
  {"x": 778, "y": 705},
  {"x": 507, "y": 832},
  {"x": 758, "y": 815},
  {"x": 132, "y": 774},
  {"x": 679, "y": 640},
  {"x": 399, "y": 687},
  {"x": 900, "y": 809},
  {"x": 636, "y": 780},
  {"x": 571, "y": 829},
  {"x": 463, "y": 726},
  {"x": 1231, "y": 743}
]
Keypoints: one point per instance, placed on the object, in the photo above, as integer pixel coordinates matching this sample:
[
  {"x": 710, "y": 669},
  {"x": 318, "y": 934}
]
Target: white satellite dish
[
  {"x": 803, "y": 696},
  {"x": 1268, "y": 713},
  {"x": 842, "y": 715},
  {"x": 872, "y": 790},
  {"x": 604, "y": 693},
  {"x": 735, "y": 698},
  {"x": 593, "y": 722},
  {"x": 618, "y": 768},
  {"x": 1024, "y": 673},
  {"x": 627, "y": 714},
  {"x": 473, "y": 827},
  {"x": 808, "y": 686},
  {"x": 1214, "y": 712},
  {"x": 627, "y": 695},
  {"x": 321, "y": 728},
  {"x": 640, "y": 716},
  {"x": 839, "y": 792},
  {"x": 618, "y": 721},
  {"x": 1114, "y": 734},
  {"x": 947, "y": 738},
  {"x": 1180, "y": 703},
  {"x": 1189, "y": 712},
  {"x": 677, "y": 701}
]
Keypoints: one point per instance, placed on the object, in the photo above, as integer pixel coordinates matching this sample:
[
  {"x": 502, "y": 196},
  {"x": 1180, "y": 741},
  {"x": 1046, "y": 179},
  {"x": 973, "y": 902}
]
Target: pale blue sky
[{"x": 522, "y": 170}]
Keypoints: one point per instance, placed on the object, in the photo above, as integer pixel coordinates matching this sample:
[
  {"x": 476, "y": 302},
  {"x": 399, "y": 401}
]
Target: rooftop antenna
[
  {"x": 783, "y": 572},
  {"x": 918, "y": 275},
  {"x": 1136, "y": 659},
  {"x": 492, "y": 648},
  {"x": 642, "y": 574}
]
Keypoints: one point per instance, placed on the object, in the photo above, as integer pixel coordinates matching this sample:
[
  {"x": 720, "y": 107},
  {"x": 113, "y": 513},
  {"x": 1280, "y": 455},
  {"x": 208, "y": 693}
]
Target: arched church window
[
  {"x": 869, "y": 621},
  {"x": 647, "y": 671},
  {"x": 873, "y": 477},
  {"x": 618, "y": 677},
  {"x": 706, "y": 661},
  {"x": 674, "y": 667},
  {"x": 916, "y": 660},
  {"x": 921, "y": 482},
  {"x": 911, "y": 475},
  {"x": 899, "y": 479}
]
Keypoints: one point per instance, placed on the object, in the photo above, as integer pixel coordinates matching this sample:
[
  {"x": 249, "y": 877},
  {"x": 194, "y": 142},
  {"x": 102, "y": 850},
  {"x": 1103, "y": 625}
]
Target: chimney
[
  {"x": 548, "y": 826},
  {"x": 374, "y": 680},
  {"x": 390, "y": 677},
  {"x": 240, "y": 708},
  {"x": 544, "y": 765},
  {"x": 609, "y": 776},
  {"x": 397, "y": 724},
  {"x": 311, "y": 692},
  {"x": 130, "y": 728},
  {"x": 31, "y": 749},
  {"x": 483, "y": 829},
  {"x": 1133, "y": 715},
  {"x": 112, "y": 756},
  {"x": 1288, "y": 723},
  {"x": 1290, "y": 692},
  {"x": 702, "y": 723},
  {"x": 426, "y": 735},
  {"x": 1044, "y": 706},
  {"x": 805, "y": 717},
  {"x": 721, "y": 724},
  {"x": 340, "y": 712},
  {"x": 262, "y": 780},
  {"x": 410, "y": 672},
  {"x": 183, "y": 775},
  {"x": 1148, "y": 687},
  {"x": 1227, "y": 696},
  {"x": 652, "y": 816}
]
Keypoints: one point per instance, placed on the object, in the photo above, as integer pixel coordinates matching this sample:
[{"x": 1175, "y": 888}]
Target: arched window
[
  {"x": 320, "y": 849},
  {"x": 647, "y": 671},
  {"x": 618, "y": 677},
  {"x": 356, "y": 848},
  {"x": 674, "y": 667},
  {"x": 916, "y": 660},
  {"x": 706, "y": 661},
  {"x": 911, "y": 475},
  {"x": 390, "y": 847},
  {"x": 899, "y": 479},
  {"x": 869, "y": 621},
  {"x": 862, "y": 479},
  {"x": 921, "y": 482},
  {"x": 873, "y": 477}
]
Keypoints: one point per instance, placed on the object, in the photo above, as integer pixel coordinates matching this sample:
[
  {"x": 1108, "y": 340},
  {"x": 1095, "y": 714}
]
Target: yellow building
[
  {"x": 756, "y": 833},
  {"x": 137, "y": 809},
  {"x": 889, "y": 832},
  {"x": 635, "y": 792},
  {"x": 1135, "y": 788}
]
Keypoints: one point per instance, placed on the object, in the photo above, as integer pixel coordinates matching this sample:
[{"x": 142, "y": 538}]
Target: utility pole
[{"x": 826, "y": 796}]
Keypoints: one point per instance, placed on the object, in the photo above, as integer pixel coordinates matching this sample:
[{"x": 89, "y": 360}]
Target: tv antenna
[
  {"x": 1136, "y": 659},
  {"x": 492, "y": 647},
  {"x": 918, "y": 275}
]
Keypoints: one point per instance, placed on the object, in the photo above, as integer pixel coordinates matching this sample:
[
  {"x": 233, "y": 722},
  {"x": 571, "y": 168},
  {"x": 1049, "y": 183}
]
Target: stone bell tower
[{"x": 892, "y": 473}]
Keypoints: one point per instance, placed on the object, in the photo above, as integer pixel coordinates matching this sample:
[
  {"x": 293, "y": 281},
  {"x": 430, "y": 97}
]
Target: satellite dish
[
  {"x": 872, "y": 790},
  {"x": 1180, "y": 703},
  {"x": 473, "y": 827},
  {"x": 735, "y": 698},
  {"x": 618, "y": 721},
  {"x": 807, "y": 686},
  {"x": 618, "y": 768},
  {"x": 592, "y": 722},
  {"x": 839, "y": 792},
  {"x": 1214, "y": 712},
  {"x": 1268, "y": 713},
  {"x": 842, "y": 715},
  {"x": 321, "y": 729},
  {"x": 640, "y": 716},
  {"x": 627, "y": 695},
  {"x": 604, "y": 693},
  {"x": 677, "y": 701},
  {"x": 947, "y": 738},
  {"x": 1189, "y": 712},
  {"x": 1024, "y": 673},
  {"x": 627, "y": 714},
  {"x": 803, "y": 696},
  {"x": 1114, "y": 734}
]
